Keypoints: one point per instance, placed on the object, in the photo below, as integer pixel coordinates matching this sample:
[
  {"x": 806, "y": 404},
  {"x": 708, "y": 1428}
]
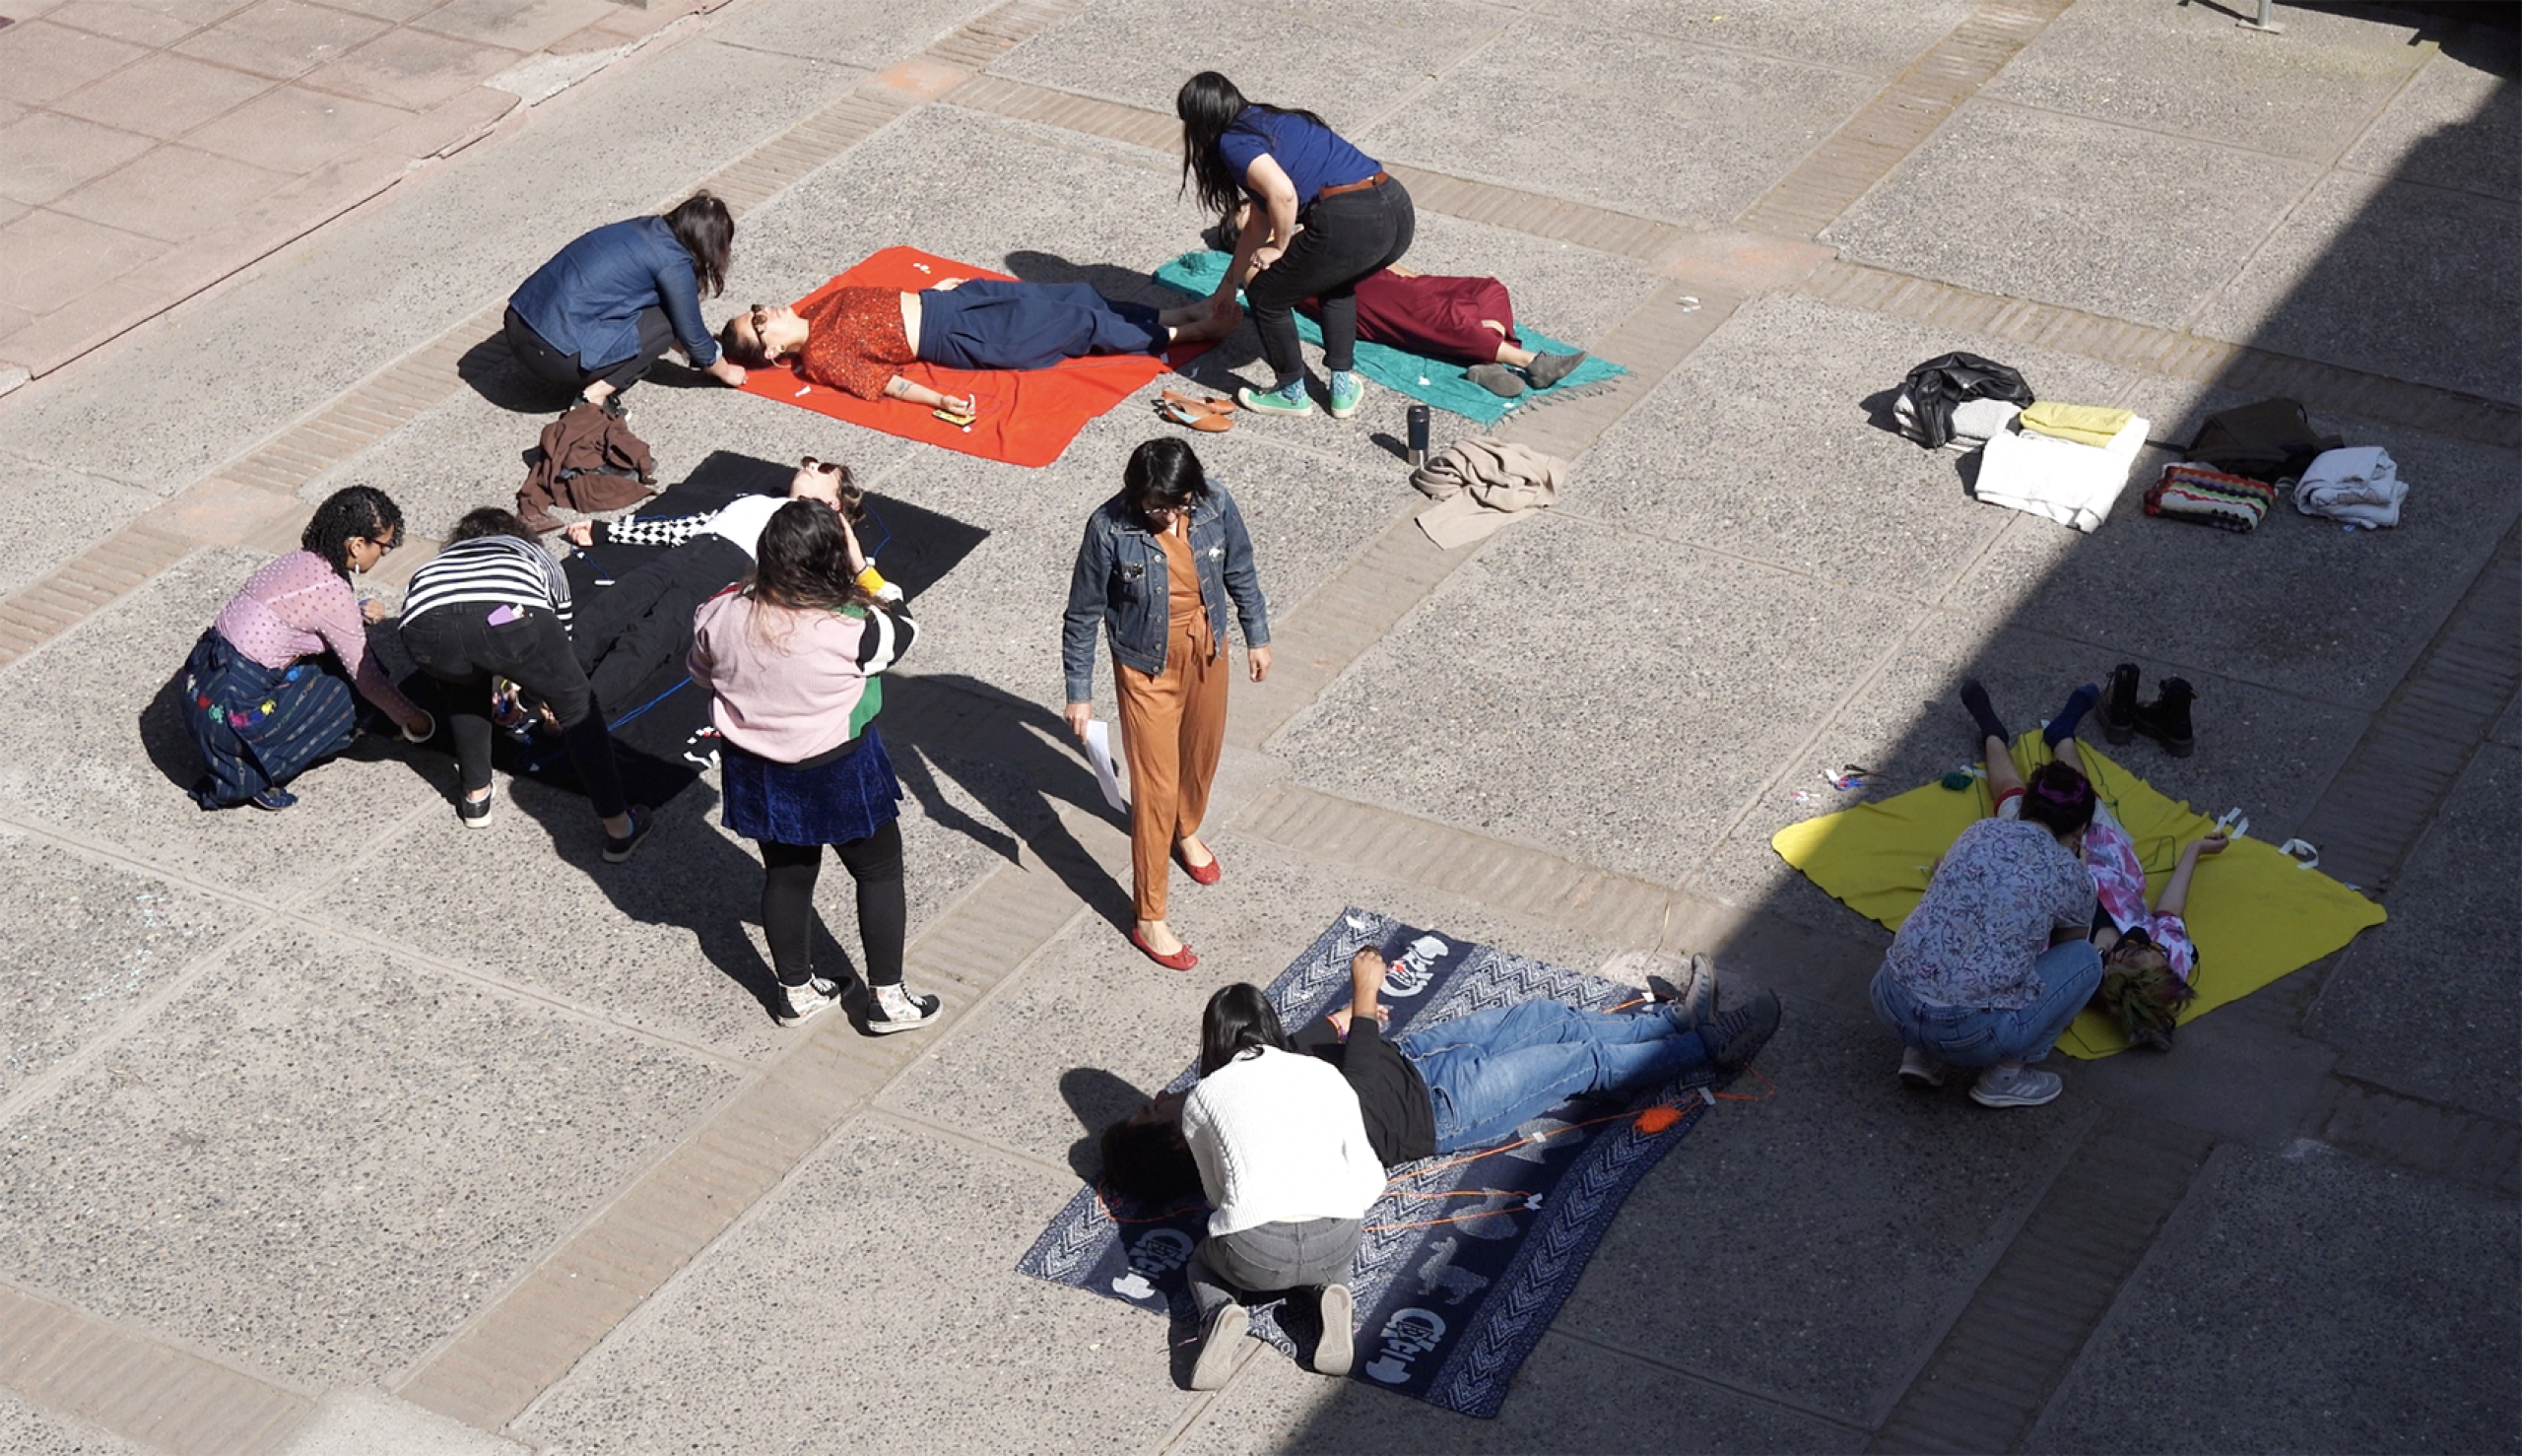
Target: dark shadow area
[
  {"x": 493, "y": 373},
  {"x": 1099, "y": 1098},
  {"x": 1399, "y": 449},
  {"x": 166, "y": 739}
]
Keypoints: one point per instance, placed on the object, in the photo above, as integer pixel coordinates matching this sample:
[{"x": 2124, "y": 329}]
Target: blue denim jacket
[
  {"x": 1121, "y": 579},
  {"x": 589, "y": 299}
]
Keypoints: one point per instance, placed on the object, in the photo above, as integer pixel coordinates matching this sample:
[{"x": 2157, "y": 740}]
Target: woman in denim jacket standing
[{"x": 1158, "y": 566}]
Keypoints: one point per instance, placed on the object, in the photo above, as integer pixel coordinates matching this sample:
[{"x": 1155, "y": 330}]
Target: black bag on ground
[
  {"x": 2271, "y": 440},
  {"x": 1923, "y": 407}
]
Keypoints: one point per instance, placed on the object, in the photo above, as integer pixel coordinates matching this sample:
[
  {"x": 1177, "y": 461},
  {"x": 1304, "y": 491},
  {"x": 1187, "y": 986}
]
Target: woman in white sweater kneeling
[{"x": 1285, "y": 1162}]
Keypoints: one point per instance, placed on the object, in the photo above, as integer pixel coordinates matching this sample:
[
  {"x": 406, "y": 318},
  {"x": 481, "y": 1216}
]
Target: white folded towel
[{"x": 2360, "y": 486}]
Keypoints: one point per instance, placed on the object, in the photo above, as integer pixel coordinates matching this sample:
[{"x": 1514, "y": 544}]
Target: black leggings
[
  {"x": 457, "y": 646},
  {"x": 788, "y": 874},
  {"x": 536, "y": 356},
  {"x": 1345, "y": 238}
]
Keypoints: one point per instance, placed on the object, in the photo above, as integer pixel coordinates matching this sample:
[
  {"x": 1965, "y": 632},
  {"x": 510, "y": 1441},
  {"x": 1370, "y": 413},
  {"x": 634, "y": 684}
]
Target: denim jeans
[
  {"x": 1490, "y": 1072},
  {"x": 1981, "y": 1036},
  {"x": 1301, "y": 1255}
]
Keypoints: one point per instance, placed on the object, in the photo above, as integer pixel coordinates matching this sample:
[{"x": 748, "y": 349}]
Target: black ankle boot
[
  {"x": 2166, "y": 720},
  {"x": 2119, "y": 704}
]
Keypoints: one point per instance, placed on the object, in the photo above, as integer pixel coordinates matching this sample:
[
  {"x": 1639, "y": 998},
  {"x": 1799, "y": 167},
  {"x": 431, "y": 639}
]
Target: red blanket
[{"x": 1027, "y": 418}]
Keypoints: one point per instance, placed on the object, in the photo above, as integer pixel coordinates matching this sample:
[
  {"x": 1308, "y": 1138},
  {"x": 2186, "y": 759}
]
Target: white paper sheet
[{"x": 1099, "y": 740}]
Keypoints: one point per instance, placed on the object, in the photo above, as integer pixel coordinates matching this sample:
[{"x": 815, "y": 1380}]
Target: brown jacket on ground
[{"x": 588, "y": 461}]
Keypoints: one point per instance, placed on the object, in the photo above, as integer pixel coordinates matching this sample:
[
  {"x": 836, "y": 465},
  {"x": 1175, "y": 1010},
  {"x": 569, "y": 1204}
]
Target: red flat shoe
[
  {"x": 1181, "y": 959},
  {"x": 1206, "y": 874}
]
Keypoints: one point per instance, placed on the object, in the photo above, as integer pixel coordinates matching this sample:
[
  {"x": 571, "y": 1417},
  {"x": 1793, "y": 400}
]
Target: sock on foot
[
  {"x": 1974, "y": 697},
  {"x": 2079, "y": 703}
]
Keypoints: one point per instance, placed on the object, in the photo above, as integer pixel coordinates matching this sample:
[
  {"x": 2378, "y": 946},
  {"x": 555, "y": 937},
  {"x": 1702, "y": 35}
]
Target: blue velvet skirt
[{"x": 837, "y": 802}]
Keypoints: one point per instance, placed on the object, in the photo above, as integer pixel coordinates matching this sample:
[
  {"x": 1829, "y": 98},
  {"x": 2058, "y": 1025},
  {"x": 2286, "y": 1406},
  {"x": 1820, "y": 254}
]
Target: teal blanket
[{"x": 1434, "y": 380}]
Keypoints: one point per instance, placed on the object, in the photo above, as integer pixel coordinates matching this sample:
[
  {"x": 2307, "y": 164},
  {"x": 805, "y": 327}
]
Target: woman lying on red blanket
[{"x": 856, "y": 339}]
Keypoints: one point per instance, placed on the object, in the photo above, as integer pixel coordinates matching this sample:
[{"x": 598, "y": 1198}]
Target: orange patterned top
[{"x": 855, "y": 341}]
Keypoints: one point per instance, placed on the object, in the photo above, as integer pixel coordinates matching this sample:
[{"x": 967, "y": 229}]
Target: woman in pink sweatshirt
[
  {"x": 790, "y": 659},
  {"x": 267, "y": 690}
]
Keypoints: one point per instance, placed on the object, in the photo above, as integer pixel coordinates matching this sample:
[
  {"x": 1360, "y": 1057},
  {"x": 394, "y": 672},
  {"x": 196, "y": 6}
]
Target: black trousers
[
  {"x": 458, "y": 645},
  {"x": 788, "y": 904},
  {"x": 536, "y": 356},
  {"x": 623, "y": 633},
  {"x": 1346, "y": 237}
]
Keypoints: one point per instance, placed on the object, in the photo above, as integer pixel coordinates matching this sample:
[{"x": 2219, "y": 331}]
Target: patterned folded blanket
[{"x": 2210, "y": 497}]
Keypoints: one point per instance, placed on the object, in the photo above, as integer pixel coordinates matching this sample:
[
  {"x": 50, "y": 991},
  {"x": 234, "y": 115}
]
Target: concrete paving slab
[
  {"x": 394, "y": 1145},
  {"x": 2238, "y": 612},
  {"x": 1127, "y": 1027},
  {"x": 104, "y": 756},
  {"x": 1138, "y": 53},
  {"x": 30, "y": 1430},
  {"x": 1597, "y": 111},
  {"x": 677, "y": 929},
  {"x": 410, "y": 69},
  {"x": 163, "y": 95},
  {"x": 1571, "y": 1396},
  {"x": 59, "y": 511},
  {"x": 1877, "y": 39},
  {"x": 857, "y": 35},
  {"x": 360, "y": 1420},
  {"x": 2269, "y": 751},
  {"x": 281, "y": 39},
  {"x": 88, "y": 940},
  {"x": 1860, "y": 1214},
  {"x": 2356, "y": 276},
  {"x": 139, "y": 21},
  {"x": 2189, "y": 69},
  {"x": 47, "y": 155},
  {"x": 2444, "y": 960},
  {"x": 528, "y": 27},
  {"x": 2508, "y": 729},
  {"x": 1794, "y": 470},
  {"x": 40, "y": 61},
  {"x": 2457, "y": 124},
  {"x": 459, "y": 238},
  {"x": 292, "y": 129},
  {"x": 2366, "y": 1309},
  {"x": 171, "y": 193},
  {"x": 843, "y": 1270},
  {"x": 2069, "y": 210},
  {"x": 1694, "y": 719}
]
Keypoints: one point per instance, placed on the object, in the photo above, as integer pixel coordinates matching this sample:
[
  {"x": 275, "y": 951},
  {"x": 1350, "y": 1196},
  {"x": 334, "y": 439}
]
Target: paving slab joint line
[{"x": 129, "y": 1379}]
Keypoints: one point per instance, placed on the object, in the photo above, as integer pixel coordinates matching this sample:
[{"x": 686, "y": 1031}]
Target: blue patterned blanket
[{"x": 1466, "y": 1259}]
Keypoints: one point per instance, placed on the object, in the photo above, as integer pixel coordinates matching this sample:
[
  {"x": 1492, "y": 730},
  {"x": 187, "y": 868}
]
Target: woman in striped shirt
[{"x": 494, "y": 604}]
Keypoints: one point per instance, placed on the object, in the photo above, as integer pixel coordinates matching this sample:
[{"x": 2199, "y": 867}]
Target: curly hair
[{"x": 364, "y": 511}]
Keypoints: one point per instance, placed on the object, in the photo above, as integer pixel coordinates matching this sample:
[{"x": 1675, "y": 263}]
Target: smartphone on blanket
[{"x": 951, "y": 417}]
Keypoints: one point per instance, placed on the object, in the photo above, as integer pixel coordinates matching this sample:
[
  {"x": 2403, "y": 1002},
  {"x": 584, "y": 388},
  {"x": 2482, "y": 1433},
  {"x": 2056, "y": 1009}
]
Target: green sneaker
[
  {"x": 1290, "y": 400},
  {"x": 1347, "y": 391}
]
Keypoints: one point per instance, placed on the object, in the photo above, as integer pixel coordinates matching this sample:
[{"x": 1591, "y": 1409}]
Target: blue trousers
[
  {"x": 1492, "y": 1071},
  {"x": 989, "y": 323},
  {"x": 1981, "y": 1036}
]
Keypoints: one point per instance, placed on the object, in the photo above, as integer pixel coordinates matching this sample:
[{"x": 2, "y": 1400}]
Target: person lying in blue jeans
[{"x": 1473, "y": 1079}]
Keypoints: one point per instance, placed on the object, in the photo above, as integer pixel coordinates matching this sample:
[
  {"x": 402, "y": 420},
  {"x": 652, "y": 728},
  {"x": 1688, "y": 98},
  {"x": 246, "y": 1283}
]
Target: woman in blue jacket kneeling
[{"x": 611, "y": 304}]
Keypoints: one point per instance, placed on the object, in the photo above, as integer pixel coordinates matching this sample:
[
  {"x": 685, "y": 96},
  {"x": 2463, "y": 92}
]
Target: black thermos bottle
[{"x": 1418, "y": 435}]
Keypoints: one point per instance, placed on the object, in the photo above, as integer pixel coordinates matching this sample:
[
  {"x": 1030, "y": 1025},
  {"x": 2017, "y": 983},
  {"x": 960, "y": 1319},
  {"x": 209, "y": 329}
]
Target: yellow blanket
[
  {"x": 2254, "y": 914},
  {"x": 2087, "y": 425}
]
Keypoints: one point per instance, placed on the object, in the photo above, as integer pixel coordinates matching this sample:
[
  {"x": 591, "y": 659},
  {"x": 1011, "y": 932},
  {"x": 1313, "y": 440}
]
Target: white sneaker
[
  {"x": 2021, "y": 1087},
  {"x": 1918, "y": 1069},
  {"x": 894, "y": 1008},
  {"x": 804, "y": 1001}
]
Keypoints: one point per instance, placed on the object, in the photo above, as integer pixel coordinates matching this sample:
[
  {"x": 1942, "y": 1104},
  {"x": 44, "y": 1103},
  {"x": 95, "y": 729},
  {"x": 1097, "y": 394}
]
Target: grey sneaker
[
  {"x": 808, "y": 997},
  {"x": 1336, "y": 1347},
  {"x": 1498, "y": 379},
  {"x": 1691, "y": 1002},
  {"x": 894, "y": 1008},
  {"x": 1918, "y": 1069},
  {"x": 1738, "y": 1035},
  {"x": 2019, "y": 1087},
  {"x": 1217, "y": 1349},
  {"x": 1547, "y": 370}
]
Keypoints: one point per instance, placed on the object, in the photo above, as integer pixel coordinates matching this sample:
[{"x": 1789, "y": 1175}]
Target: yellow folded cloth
[
  {"x": 2085, "y": 425},
  {"x": 2254, "y": 914}
]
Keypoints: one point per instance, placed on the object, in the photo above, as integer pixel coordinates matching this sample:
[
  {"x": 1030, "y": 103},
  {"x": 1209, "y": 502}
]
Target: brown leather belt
[{"x": 1377, "y": 180}]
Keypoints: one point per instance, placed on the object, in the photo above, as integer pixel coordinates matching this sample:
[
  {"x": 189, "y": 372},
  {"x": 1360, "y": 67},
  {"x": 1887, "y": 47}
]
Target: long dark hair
[
  {"x": 488, "y": 521},
  {"x": 802, "y": 563},
  {"x": 2058, "y": 799},
  {"x": 1239, "y": 1020},
  {"x": 1163, "y": 474},
  {"x": 353, "y": 511},
  {"x": 1209, "y": 106},
  {"x": 703, "y": 225},
  {"x": 1145, "y": 1157}
]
